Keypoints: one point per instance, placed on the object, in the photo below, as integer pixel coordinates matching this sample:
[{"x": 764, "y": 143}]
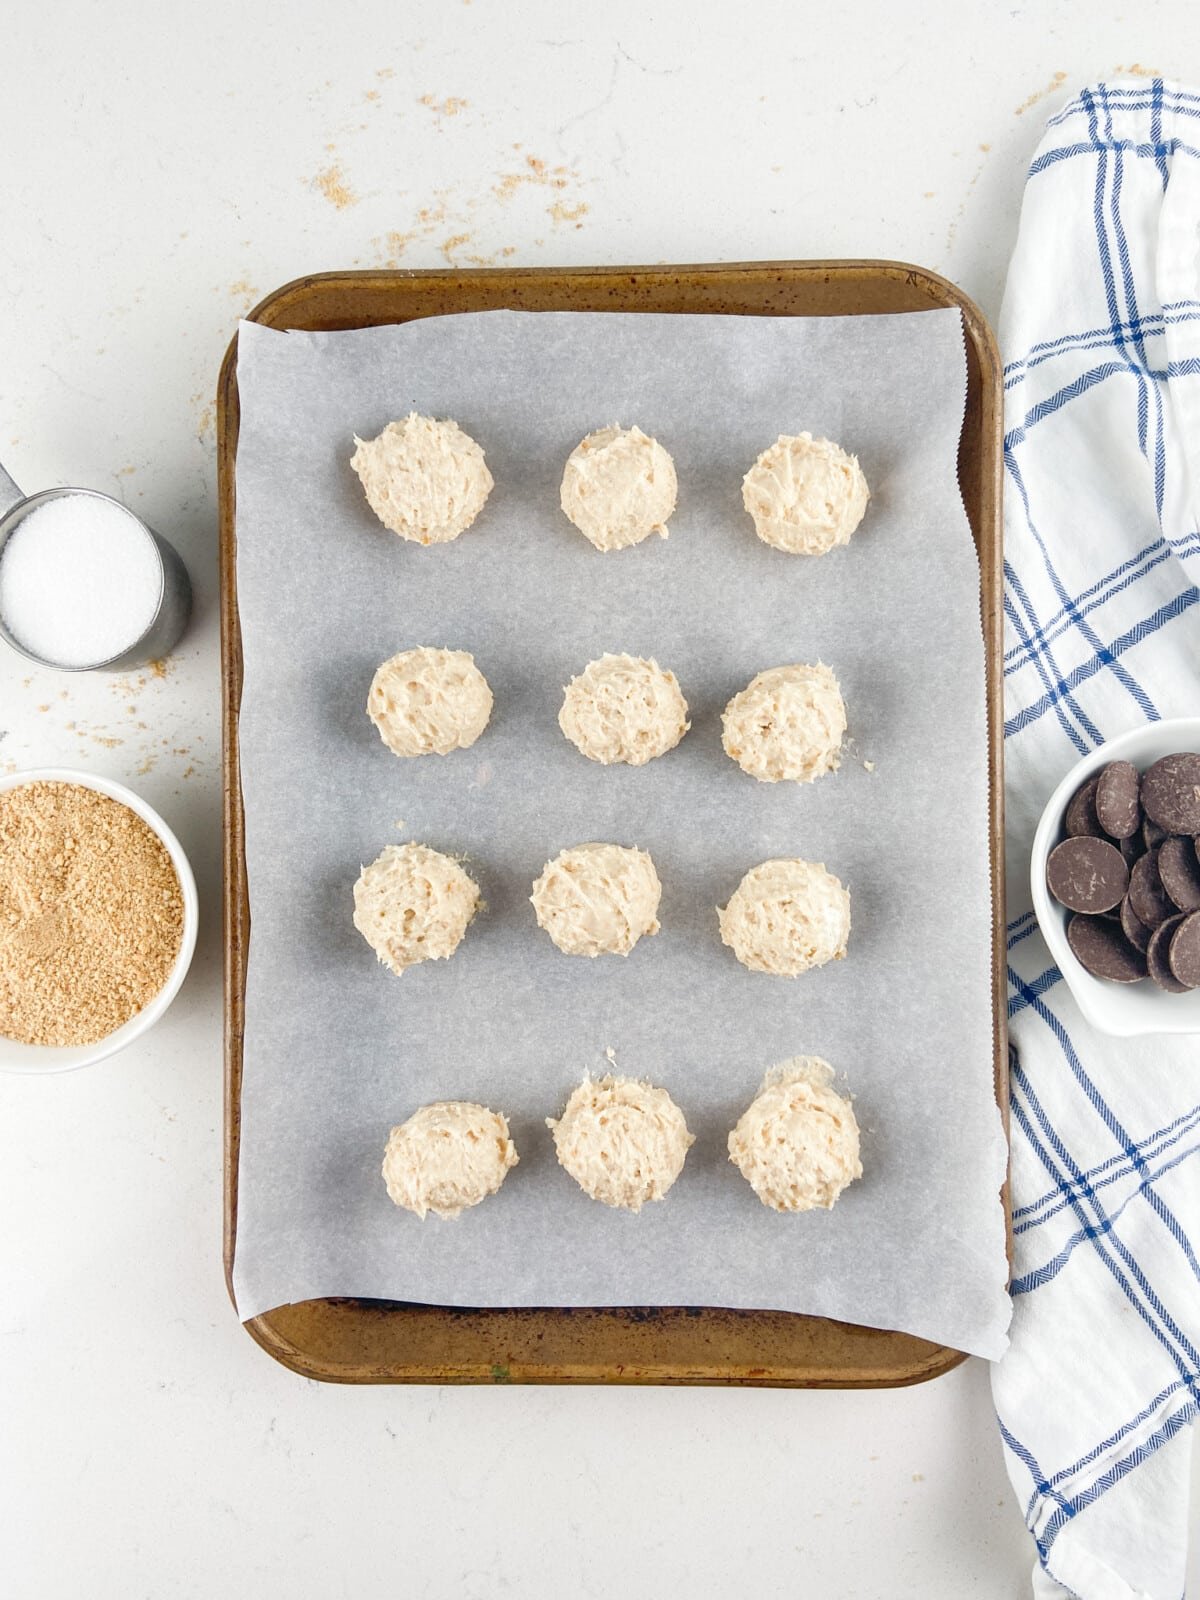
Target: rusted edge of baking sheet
[{"x": 365, "y": 1341}]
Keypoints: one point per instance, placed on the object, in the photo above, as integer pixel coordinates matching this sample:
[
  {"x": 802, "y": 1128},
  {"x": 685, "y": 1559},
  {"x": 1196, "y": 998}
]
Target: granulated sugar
[
  {"x": 80, "y": 580},
  {"x": 91, "y": 914}
]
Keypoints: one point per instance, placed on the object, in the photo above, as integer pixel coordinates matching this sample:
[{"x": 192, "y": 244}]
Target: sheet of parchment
[{"x": 337, "y": 1049}]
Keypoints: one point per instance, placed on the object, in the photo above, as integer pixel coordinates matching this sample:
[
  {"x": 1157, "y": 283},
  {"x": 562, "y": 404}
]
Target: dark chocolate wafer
[
  {"x": 1132, "y": 848},
  {"x": 1132, "y": 926},
  {"x": 1179, "y": 869},
  {"x": 1183, "y": 954},
  {"x": 1081, "y": 819},
  {"x": 1103, "y": 950},
  {"x": 1152, "y": 834},
  {"x": 1147, "y": 896},
  {"x": 1171, "y": 793},
  {"x": 1118, "y": 809},
  {"x": 1158, "y": 956},
  {"x": 1086, "y": 874}
]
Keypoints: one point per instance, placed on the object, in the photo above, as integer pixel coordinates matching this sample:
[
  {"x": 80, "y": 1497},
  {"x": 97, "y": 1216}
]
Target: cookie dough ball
[
  {"x": 597, "y": 899},
  {"x": 796, "y": 1145},
  {"x": 786, "y": 725},
  {"x": 425, "y": 480},
  {"x": 785, "y": 917},
  {"x": 623, "y": 1142},
  {"x": 619, "y": 487},
  {"x": 429, "y": 702},
  {"x": 447, "y": 1157},
  {"x": 413, "y": 904},
  {"x": 806, "y": 495},
  {"x": 624, "y": 708}
]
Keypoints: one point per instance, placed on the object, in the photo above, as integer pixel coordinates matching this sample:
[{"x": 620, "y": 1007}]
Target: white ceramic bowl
[
  {"x": 17, "y": 1057},
  {"x": 1123, "y": 1009}
]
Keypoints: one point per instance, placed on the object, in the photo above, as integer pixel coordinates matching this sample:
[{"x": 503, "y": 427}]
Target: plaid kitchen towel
[{"x": 1101, "y": 335}]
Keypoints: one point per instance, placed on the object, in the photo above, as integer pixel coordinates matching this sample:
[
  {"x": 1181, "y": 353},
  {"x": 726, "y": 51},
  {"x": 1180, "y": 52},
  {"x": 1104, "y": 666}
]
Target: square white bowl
[
  {"x": 1125, "y": 1010},
  {"x": 18, "y": 1057}
]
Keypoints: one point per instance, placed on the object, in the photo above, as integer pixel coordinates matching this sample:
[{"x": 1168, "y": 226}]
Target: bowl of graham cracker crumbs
[{"x": 98, "y": 918}]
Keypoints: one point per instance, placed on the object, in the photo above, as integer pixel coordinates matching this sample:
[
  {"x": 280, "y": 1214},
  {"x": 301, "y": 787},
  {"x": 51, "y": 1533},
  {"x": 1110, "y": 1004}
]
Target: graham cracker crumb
[{"x": 91, "y": 914}]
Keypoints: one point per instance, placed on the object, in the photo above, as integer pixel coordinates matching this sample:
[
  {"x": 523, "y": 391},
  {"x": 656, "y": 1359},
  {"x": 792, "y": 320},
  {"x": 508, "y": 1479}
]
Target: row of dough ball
[
  {"x": 787, "y": 725},
  {"x": 427, "y": 480},
  {"x": 624, "y": 1142},
  {"x": 413, "y": 904}
]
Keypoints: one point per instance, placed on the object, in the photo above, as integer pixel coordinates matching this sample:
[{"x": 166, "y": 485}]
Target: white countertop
[{"x": 166, "y": 167}]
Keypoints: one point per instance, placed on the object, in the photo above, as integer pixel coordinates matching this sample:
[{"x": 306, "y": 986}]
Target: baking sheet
[{"x": 336, "y": 1049}]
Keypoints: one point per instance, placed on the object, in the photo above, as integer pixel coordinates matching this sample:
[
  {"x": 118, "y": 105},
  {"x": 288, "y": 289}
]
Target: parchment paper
[{"x": 337, "y": 1049}]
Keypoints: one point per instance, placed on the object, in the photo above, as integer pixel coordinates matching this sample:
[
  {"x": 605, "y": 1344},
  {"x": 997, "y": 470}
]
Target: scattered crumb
[
  {"x": 1056, "y": 82},
  {"x": 189, "y": 772},
  {"x": 109, "y": 744},
  {"x": 455, "y": 223},
  {"x": 160, "y": 668},
  {"x": 43, "y": 708},
  {"x": 393, "y": 245},
  {"x": 205, "y": 426},
  {"x": 929, "y": 194},
  {"x": 918, "y": 1477},
  {"x": 536, "y": 171},
  {"x": 386, "y": 72},
  {"x": 399, "y": 823},
  {"x": 372, "y": 94},
  {"x": 126, "y": 472},
  {"x": 453, "y": 243},
  {"x": 449, "y": 107},
  {"x": 331, "y": 182},
  {"x": 610, "y": 1054},
  {"x": 985, "y": 148},
  {"x": 559, "y": 212},
  {"x": 869, "y": 765},
  {"x": 1137, "y": 70},
  {"x": 147, "y": 765},
  {"x": 64, "y": 694}
]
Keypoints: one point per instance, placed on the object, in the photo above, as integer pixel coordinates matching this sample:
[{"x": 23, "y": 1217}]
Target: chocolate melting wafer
[
  {"x": 1086, "y": 874},
  {"x": 1183, "y": 953},
  {"x": 1102, "y": 949},
  {"x": 1118, "y": 806}
]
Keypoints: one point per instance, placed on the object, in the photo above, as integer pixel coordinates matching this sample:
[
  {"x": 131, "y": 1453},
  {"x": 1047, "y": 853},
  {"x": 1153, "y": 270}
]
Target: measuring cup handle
[{"x": 9, "y": 493}]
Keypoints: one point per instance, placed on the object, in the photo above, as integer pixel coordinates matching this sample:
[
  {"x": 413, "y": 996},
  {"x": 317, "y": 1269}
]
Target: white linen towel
[{"x": 1100, "y": 333}]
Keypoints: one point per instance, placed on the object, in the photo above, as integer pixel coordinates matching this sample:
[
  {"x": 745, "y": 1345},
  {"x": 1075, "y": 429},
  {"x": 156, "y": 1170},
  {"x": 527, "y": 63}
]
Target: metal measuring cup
[{"x": 174, "y": 594}]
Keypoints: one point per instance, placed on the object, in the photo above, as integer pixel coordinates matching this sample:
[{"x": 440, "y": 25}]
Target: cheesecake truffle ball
[
  {"x": 429, "y": 702},
  {"x": 785, "y": 917},
  {"x": 598, "y": 899},
  {"x": 619, "y": 487},
  {"x": 796, "y": 1144},
  {"x": 624, "y": 709},
  {"x": 806, "y": 495},
  {"x": 425, "y": 480},
  {"x": 623, "y": 1142},
  {"x": 787, "y": 725},
  {"x": 446, "y": 1157},
  {"x": 413, "y": 904}
]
